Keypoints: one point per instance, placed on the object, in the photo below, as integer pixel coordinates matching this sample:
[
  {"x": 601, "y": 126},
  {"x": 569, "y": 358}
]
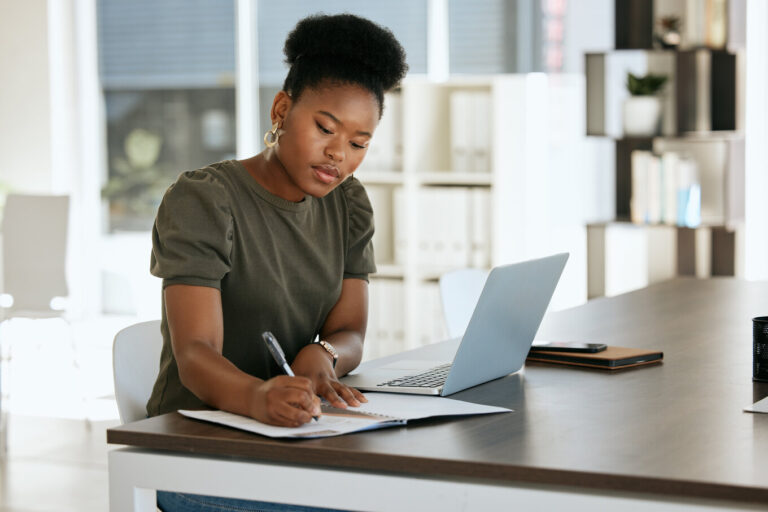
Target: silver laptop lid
[{"x": 504, "y": 323}]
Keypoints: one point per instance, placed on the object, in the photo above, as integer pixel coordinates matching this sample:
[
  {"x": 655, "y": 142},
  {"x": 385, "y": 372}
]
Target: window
[
  {"x": 167, "y": 70},
  {"x": 480, "y": 36},
  {"x": 168, "y": 75},
  {"x": 505, "y": 36},
  {"x": 407, "y": 19}
]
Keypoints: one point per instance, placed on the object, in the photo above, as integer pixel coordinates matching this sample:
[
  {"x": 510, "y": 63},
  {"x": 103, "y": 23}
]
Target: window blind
[{"x": 155, "y": 44}]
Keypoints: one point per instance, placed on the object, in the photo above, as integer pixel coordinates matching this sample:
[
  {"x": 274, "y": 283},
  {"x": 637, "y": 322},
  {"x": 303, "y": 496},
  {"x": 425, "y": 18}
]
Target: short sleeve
[
  {"x": 359, "y": 262},
  {"x": 192, "y": 235}
]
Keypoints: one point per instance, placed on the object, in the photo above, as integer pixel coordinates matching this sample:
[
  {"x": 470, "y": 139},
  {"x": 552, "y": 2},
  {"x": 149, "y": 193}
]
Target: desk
[{"x": 666, "y": 437}]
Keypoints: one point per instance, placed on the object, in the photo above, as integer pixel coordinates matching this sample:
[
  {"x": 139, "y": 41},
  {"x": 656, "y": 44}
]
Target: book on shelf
[
  {"x": 665, "y": 189},
  {"x": 705, "y": 23}
]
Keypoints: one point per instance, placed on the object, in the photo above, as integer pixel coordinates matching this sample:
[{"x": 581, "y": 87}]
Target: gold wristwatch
[{"x": 329, "y": 348}]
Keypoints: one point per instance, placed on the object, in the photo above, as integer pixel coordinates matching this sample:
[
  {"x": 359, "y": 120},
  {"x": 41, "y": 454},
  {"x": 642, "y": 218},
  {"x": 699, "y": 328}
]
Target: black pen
[{"x": 279, "y": 356}]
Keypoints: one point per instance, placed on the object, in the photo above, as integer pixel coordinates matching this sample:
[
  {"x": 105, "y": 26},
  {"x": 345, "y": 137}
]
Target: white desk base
[{"x": 134, "y": 474}]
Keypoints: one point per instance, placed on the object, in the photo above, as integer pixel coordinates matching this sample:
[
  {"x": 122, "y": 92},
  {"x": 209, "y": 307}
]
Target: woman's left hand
[{"x": 313, "y": 362}]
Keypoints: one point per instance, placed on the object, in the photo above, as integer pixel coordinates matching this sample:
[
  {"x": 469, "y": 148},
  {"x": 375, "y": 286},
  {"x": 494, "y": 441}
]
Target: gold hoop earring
[{"x": 271, "y": 137}]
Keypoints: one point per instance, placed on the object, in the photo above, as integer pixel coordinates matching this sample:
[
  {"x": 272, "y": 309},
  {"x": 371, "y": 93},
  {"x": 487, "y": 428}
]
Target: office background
[{"x": 107, "y": 100}]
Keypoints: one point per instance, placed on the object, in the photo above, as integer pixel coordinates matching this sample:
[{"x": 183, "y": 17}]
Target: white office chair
[
  {"x": 136, "y": 363},
  {"x": 459, "y": 292},
  {"x": 34, "y": 256}
]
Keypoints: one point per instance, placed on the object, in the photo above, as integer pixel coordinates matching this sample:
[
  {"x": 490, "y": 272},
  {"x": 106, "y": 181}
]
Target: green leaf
[{"x": 647, "y": 85}]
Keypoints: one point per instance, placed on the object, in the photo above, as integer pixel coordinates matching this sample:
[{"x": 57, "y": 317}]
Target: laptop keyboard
[{"x": 433, "y": 378}]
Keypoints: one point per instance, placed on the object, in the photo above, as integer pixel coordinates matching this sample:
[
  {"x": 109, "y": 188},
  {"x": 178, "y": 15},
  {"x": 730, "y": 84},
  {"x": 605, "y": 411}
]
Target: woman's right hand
[{"x": 285, "y": 401}]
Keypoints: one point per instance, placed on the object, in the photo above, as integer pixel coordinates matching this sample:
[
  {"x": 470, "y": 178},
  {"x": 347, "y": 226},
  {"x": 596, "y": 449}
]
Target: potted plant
[
  {"x": 137, "y": 182},
  {"x": 642, "y": 110}
]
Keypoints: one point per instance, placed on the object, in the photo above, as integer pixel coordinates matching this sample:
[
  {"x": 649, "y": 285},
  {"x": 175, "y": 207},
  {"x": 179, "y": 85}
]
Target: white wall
[
  {"x": 25, "y": 123},
  {"x": 588, "y": 28},
  {"x": 756, "y": 139},
  {"x": 51, "y": 123}
]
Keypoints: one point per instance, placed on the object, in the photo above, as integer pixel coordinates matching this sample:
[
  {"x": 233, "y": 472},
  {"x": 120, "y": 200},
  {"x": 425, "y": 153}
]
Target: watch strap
[{"x": 329, "y": 348}]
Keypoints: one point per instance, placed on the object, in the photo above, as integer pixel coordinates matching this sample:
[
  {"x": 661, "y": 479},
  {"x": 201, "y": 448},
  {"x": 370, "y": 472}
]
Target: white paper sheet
[
  {"x": 382, "y": 410},
  {"x": 759, "y": 406}
]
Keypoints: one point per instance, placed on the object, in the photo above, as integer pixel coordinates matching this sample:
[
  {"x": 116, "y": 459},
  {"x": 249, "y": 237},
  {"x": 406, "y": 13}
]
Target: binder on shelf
[
  {"x": 432, "y": 324},
  {"x": 444, "y": 224},
  {"x": 638, "y": 204},
  {"x": 399, "y": 227},
  {"x": 385, "y": 151},
  {"x": 481, "y": 140},
  {"x": 654, "y": 204},
  {"x": 383, "y": 238},
  {"x": 480, "y": 228},
  {"x": 461, "y": 131},
  {"x": 386, "y": 326},
  {"x": 455, "y": 225},
  {"x": 470, "y": 131},
  {"x": 669, "y": 164}
]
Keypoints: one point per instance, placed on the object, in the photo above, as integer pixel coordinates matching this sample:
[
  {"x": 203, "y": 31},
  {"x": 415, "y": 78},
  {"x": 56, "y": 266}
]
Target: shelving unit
[
  {"x": 700, "y": 118},
  {"x": 624, "y": 256},
  {"x": 532, "y": 124}
]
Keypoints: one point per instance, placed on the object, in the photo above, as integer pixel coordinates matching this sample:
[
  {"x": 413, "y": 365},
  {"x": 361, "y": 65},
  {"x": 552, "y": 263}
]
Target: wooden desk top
[{"x": 676, "y": 429}]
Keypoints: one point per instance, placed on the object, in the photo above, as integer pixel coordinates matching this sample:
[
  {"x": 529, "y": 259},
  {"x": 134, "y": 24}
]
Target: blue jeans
[{"x": 179, "y": 502}]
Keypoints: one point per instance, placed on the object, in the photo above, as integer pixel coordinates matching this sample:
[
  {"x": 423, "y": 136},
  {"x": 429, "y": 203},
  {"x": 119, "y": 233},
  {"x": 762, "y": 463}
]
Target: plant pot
[{"x": 642, "y": 116}]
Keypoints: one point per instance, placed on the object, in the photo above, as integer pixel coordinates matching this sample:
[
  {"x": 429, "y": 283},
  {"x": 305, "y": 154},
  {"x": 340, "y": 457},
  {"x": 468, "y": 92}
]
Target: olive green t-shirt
[{"x": 279, "y": 264}]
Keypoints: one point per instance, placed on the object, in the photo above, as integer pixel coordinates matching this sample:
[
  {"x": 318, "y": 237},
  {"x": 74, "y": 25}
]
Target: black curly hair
[{"x": 344, "y": 49}]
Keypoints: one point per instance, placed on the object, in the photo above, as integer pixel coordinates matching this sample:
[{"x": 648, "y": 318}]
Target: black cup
[{"x": 760, "y": 348}]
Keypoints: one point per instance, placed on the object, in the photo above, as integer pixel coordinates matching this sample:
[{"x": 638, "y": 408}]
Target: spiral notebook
[{"x": 382, "y": 410}]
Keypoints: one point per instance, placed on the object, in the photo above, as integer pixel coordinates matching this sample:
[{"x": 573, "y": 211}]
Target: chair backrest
[
  {"x": 35, "y": 250},
  {"x": 136, "y": 363},
  {"x": 459, "y": 292}
]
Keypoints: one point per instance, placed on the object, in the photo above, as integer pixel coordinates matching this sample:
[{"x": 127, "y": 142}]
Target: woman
[{"x": 280, "y": 242}]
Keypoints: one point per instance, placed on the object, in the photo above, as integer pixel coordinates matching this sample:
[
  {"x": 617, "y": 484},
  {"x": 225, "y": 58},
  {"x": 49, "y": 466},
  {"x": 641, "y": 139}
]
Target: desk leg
[{"x": 124, "y": 494}]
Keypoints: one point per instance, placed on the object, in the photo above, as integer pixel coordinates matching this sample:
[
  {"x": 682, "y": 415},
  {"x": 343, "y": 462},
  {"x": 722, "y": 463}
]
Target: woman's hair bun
[{"x": 346, "y": 48}]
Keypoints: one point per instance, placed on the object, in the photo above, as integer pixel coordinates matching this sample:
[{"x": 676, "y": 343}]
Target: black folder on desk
[{"x": 612, "y": 358}]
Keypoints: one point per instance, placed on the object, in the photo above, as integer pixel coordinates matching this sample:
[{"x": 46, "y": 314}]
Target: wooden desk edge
[{"x": 284, "y": 452}]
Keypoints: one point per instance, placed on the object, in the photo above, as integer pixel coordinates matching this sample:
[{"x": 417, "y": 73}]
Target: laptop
[{"x": 495, "y": 343}]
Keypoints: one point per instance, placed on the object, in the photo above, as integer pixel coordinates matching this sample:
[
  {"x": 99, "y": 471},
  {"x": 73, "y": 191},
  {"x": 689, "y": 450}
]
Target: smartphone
[{"x": 560, "y": 346}]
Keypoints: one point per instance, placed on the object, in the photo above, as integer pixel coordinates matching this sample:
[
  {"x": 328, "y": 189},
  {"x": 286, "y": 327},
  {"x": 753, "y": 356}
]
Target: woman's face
[{"x": 324, "y": 136}]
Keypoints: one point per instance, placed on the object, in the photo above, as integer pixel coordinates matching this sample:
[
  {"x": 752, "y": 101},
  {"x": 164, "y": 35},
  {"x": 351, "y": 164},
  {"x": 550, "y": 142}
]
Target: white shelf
[
  {"x": 380, "y": 177},
  {"x": 433, "y": 178},
  {"x": 389, "y": 270},
  {"x": 455, "y": 178}
]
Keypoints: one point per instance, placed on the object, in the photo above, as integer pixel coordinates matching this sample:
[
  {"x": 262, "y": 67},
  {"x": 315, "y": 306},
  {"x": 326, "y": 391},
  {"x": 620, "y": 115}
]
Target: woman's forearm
[
  {"x": 349, "y": 345},
  {"x": 215, "y": 380}
]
